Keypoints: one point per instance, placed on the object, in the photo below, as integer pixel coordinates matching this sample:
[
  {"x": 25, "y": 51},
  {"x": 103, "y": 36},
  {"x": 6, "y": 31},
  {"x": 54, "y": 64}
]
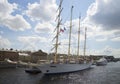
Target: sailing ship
[{"x": 66, "y": 67}]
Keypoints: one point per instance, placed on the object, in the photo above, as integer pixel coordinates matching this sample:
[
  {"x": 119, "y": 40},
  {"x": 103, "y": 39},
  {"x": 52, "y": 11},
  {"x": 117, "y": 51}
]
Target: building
[
  {"x": 97, "y": 57},
  {"x": 10, "y": 54},
  {"x": 38, "y": 55}
]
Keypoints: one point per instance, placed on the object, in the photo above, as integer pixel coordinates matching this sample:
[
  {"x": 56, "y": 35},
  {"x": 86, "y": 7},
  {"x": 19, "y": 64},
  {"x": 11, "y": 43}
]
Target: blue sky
[{"x": 29, "y": 25}]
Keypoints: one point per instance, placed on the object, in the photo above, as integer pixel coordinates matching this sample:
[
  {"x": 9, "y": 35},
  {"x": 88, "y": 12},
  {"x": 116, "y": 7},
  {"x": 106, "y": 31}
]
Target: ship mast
[
  {"x": 78, "y": 38},
  {"x": 85, "y": 43},
  {"x": 57, "y": 30},
  {"x": 70, "y": 34}
]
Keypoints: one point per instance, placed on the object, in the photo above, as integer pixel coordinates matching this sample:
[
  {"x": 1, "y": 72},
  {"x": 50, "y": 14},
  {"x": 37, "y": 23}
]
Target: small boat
[
  {"x": 33, "y": 70},
  {"x": 102, "y": 61}
]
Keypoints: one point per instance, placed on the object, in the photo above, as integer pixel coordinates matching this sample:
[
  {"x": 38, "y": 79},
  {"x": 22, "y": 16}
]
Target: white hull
[
  {"x": 63, "y": 68},
  {"x": 101, "y": 62}
]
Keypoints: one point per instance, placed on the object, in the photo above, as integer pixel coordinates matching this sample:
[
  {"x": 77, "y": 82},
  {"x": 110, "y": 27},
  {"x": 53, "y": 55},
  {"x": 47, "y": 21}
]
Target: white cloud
[
  {"x": 16, "y": 22},
  {"x": 45, "y": 10},
  {"x": 44, "y": 27},
  {"x": 32, "y": 39},
  {"x": 4, "y": 42},
  {"x": 116, "y": 39},
  {"x": 103, "y": 19},
  {"x": 103, "y": 35},
  {"x": 75, "y": 26},
  {"x": 112, "y": 51},
  {"x": 101, "y": 39},
  {"x": 105, "y": 13},
  {"x": 107, "y": 50},
  {"x": 116, "y": 53},
  {"x": 33, "y": 42},
  {"x": 6, "y": 8}
]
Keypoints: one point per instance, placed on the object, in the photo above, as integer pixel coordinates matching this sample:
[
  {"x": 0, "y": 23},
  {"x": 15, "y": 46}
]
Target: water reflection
[
  {"x": 98, "y": 75},
  {"x": 69, "y": 78},
  {"x": 109, "y": 74}
]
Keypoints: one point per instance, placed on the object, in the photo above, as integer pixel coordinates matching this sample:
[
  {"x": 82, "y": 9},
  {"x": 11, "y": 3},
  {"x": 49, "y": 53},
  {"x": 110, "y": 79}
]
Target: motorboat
[{"x": 102, "y": 61}]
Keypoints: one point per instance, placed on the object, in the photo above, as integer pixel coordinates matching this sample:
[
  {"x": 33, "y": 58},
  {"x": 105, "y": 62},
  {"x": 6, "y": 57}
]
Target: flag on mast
[{"x": 62, "y": 30}]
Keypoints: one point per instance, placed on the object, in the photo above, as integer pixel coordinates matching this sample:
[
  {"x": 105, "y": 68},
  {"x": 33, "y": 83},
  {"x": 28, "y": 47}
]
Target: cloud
[
  {"x": 32, "y": 39},
  {"x": 105, "y": 13},
  {"x": 107, "y": 50},
  {"x": 33, "y": 42},
  {"x": 103, "y": 35},
  {"x": 4, "y": 42},
  {"x": 101, "y": 39},
  {"x": 16, "y": 22},
  {"x": 117, "y": 39},
  {"x": 103, "y": 19},
  {"x": 116, "y": 53},
  {"x": 74, "y": 30},
  {"x": 6, "y": 8},
  {"x": 112, "y": 51},
  {"x": 44, "y": 27},
  {"x": 45, "y": 10}
]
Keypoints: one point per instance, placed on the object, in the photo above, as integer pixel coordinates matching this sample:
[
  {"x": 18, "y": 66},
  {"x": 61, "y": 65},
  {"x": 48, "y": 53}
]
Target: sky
[{"x": 30, "y": 24}]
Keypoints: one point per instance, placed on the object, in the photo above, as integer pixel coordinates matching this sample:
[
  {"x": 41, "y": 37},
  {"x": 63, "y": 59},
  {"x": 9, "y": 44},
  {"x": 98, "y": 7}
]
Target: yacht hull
[
  {"x": 63, "y": 68},
  {"x": 101, "y": 62}
]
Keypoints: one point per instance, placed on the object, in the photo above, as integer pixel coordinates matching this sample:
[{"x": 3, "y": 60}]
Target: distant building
[
  {"x": 97, "y": 57},
  {"x": 10, "y": 54},
  {"x": 25, "y": 57},
  {"x": 38, "y": 55}
]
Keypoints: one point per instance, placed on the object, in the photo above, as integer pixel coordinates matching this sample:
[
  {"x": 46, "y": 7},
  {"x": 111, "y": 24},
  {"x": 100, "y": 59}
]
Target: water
[{"x": 109, "y": 74}]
